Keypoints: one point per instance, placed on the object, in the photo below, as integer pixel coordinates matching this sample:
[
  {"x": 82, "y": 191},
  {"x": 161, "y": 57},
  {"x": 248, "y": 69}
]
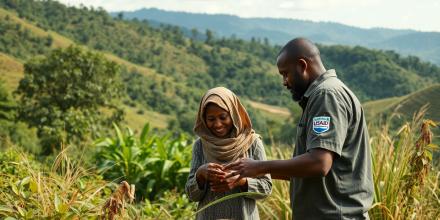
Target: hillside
[
  {"x": 409, "y": 104},
  {"x": 213, "y": 62},
  {"x": 279, "y": 31},
  {"x": 165, "y": 72},
  {"x": 11, "y": 70}
]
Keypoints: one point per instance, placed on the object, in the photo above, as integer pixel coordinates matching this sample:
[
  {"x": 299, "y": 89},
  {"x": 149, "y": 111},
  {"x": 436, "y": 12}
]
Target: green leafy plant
[{"x": 154, "y": 164}]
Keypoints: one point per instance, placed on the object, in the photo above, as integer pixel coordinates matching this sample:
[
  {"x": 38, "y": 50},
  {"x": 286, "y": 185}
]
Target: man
[{"x": 330, "y": 172}]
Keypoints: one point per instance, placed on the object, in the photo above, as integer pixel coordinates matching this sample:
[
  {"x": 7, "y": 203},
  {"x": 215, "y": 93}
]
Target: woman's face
[{"x": 218, "y": 120}]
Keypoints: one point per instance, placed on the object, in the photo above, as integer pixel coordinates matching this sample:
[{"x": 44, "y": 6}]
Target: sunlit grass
[
  {"x": 11, "y": 71},
  {"x": 406, "y": 184}
]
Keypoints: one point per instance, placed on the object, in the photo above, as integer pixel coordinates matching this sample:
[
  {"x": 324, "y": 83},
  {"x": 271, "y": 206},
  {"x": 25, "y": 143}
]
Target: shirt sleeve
[
  {"x": 261, "y": 184},
  {"x": 193, "y": 190},
  {"x": 327, "y": 122}
]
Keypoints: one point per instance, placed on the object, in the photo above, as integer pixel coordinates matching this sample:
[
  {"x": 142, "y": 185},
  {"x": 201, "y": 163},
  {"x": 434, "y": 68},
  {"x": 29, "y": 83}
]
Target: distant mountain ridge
[{"x": 425, "y": 45}]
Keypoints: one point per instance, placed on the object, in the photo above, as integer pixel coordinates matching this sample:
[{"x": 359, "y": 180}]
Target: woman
[{"x": 226, "y": 134}]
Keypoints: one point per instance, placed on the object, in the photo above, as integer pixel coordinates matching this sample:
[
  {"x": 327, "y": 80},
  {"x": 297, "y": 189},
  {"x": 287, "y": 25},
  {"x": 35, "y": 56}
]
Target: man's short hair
[{"x": 300, "y": 48}]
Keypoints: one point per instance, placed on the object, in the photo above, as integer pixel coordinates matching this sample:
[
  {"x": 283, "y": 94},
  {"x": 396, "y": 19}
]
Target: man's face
[{"x": 293, "y": 76}]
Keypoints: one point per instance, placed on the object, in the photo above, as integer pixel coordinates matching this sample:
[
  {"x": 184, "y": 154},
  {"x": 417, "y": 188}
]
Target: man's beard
[
  {"x": 298, "y": 88},
  {"x": 296, "y": 95}
]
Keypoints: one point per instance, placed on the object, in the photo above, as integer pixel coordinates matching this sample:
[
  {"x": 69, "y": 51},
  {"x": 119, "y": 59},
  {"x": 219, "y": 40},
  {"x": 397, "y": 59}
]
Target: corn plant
[{"x": 154, "y": 164}]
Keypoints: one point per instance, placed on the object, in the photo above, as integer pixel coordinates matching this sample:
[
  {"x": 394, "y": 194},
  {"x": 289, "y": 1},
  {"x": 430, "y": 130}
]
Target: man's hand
[
  {"x": 228, "y": 184},
  {"x": 244, "y": 168},
  {"x": 210, "y": 172}
]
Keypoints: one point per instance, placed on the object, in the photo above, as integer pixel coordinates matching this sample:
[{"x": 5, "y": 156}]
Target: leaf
[
  {"x": 20, "y": 210},
  {"x": 15, "y": 189},
  {"x": 33, "y": 186},
  {"x": 57, "y": 203},
  {"x": 130, "y": 132},
  {"x": 25, "y": 181},
  {"x": 63, "y": 208},
  {"x": 119, "y": 134},
  {"x": 166, "y": 166},
  {"x": 6, "y": 209},
  {"x": 104, "y": 143},
  {"x": 144, "y": 133},
  {"x": 150, "y": 185},
  {"x": 184, "y": 170},
  {"x": 141, "y": 168},
  {"x": 146, "y": 173},
  {"x": 433, "y": 147},
  {"x": 151, "y": 160}
]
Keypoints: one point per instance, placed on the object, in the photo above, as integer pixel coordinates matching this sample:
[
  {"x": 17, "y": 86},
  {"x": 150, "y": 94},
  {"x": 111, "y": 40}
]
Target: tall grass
[
  {"x": 277, "y": 205},
  {"x": 406, "y": 185},
  {"x": 64, "y": 191}
]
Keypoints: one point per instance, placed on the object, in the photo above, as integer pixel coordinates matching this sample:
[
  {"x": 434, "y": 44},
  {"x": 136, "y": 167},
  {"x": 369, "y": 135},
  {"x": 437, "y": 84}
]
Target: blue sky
[{"x": 422, "y": 15}]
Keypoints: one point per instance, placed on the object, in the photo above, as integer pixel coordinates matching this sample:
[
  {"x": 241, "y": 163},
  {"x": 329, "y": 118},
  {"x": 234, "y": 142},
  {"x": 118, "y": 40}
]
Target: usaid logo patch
[{"x": 321, "y": 124}]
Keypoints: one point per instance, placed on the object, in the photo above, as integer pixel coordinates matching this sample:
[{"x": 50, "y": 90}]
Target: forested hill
[
  {"x": 178, "y": 69},
  {"x": 278, "y": 30}
]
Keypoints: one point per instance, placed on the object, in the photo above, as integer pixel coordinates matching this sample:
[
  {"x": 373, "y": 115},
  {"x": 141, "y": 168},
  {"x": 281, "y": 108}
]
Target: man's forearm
[
  {"x": 305, "y": 165},
  {"x": 279, "y": 177}
]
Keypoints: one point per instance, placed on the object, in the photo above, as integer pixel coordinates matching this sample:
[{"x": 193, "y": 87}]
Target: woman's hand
[
  {"x": 210, "y": 172},
  {"x": 229, "y": 184}
]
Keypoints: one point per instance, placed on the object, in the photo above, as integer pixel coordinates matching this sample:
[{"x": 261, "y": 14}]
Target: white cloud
[{"x": 403, "y": 14}]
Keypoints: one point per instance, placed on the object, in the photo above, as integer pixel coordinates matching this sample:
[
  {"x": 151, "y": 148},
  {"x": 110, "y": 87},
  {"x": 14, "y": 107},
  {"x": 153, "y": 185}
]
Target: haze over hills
[{"x": 425, "y": 45}]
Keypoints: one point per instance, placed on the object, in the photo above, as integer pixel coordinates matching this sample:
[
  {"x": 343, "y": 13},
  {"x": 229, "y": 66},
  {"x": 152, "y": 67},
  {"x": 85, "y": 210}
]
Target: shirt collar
[
  {"x": 318, "y": 81},
  {"x": 314, "y": 85}
]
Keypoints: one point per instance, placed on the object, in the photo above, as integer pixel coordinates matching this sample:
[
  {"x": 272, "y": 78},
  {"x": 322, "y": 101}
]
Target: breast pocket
[
  {"x": 301, "y": 129},
  {"x": 300, "y": 139}
]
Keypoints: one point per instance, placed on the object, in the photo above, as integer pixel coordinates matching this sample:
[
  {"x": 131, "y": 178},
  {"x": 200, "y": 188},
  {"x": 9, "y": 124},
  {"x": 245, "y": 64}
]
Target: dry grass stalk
[
  {"x": 420, "y": 166},
  {"x": 116, "y": 203}
]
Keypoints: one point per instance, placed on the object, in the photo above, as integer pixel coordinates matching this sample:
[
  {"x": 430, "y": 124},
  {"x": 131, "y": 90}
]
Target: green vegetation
[
  {"x": 11, "y": 71},
  {"x": 68, "y": 110},
  {"x": 154, "y": 164},
  {"x": 406, "y": 184},
  {"x": 407, "y": 106},
  {"x": 54, "y": 94},
  {"x": 166, "y": 72},
  {"x": 278, "y": 31},
  {"x": 64, "y": 190},
  {"x": 10, "y": 130},
  {"x": 19, "y": 41},
  {"x": 67, "y": 190},
  {"x": 231, "y": 62}
]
